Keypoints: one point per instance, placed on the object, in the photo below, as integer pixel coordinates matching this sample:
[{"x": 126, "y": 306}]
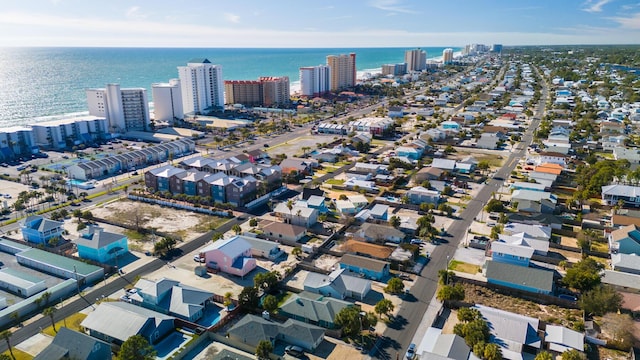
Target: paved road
[
  {"x": 101, "y": 290},
  {"x": 399, "y": 334}
]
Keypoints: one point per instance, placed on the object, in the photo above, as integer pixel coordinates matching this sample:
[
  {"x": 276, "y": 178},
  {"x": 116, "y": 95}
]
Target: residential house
[
  {"x": 515, "y": 253},
  {"x": 521, "y": 185},
  {"x": 358, "y": 200},
  {"x": 559, "y": 339},
  {"x": 278, "y": 231},
  {"x": 539, "y": 246},
  {"x": 115, "y": 322},
  {"x": 102, "y": 246},
  {"x": 628, "y": 263},
  {"x": 519, "y": 277},
  {"x": 612, "y": 194},
  {"x": 298, "y": 215},
  {"x": 171, "y": 297},
  {"x": 552, "y": 158},
  {"x": 354, "y": 184},
  {"x": 158, "y": 179},
  {"x": 232, "y": 256},
  {"x": 374, "y": 125},
  {"x": 488, "y": 141},
  {"x": 444, "y": 164},
  {"x": 317, "y": 202},
  {"x": 541, "y": 232},
  {"x": 549, "y": 220},
  {"x": 451, "y": 126},
  {"x": 313, "y": 308},
  {"x": 439, "y": 346},
  {"x": 418, "y": 195},
  {"x": 368, "y": 168},
  {"x": 39, "y": 230},
  {"x": 414, "y": 150},
  {"x": 514, "y": 334},
  {"x": 428, "y": 173},
  {"x": 364, "y": 266},
  {"x": 252, "y": 329},
  {"x": 299, "y": 166},
  {"x": 380, "y": 233},
  {"x": 631, "y": 154},
  {"x": 625, "y": 240},
  {"x": 345, "y": 207},
  {"x": 379, "y": 212},
  {"x": 264, "y": 248},
  {"x": 70, "y": 344},
  {"x": 337, "y": 284},
  {"x": 534, "y": 201}
]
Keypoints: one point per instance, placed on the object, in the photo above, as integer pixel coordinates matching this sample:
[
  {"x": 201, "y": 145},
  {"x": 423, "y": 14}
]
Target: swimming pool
[{"x": 211, "y": 316}]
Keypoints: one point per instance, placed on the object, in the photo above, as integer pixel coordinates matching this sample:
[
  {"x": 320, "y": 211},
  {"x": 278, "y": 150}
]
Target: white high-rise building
[
  {"x": 416, "y": 60},
  {"x": 167, "y": 101},
  {"x": 447, "y": 56},
  {"x": 124, "y": 109},
  {"x": 315, "y": 80},
  {"x": 202, "y": 86}
]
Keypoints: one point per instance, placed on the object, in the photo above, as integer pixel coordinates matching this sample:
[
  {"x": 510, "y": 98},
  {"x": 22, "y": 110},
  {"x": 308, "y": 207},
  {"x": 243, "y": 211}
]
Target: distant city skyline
[{"x": 332, "y": 23}]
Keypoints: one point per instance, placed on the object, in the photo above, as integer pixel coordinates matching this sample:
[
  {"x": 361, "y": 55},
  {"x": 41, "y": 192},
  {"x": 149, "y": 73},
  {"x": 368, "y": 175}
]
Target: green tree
[
  {"x": 349, "y": 320},
  {"x": 237, "y": 229},
  {"x": 544, "y": 355},
  {"x": 384, "y": 307},
  {"x": 466, "y": 314},
  {"x": 600, "y": 300},
  {"x": 253, "y": 222},
  {"x": 50, "y": 312},
  {"x": 266, "y": 281},
  {"x": 451, "y": 293},
  {"x": 6, "y": 335},
  {"x": 296, "y": 251},
  {"x": 263, "y": 349},
  {"x": 5, "y": 357},
  {"x": 572, "y": 354},
  {"x": 136, "y": 348},
  {"x": 583, "y": 275},
  {"x": 249, "y": 297},
  {"x": 227, "y": 299},
  {"x": 394, "y": 221},
  {"x": 270, "y": 303},
  {"x": 492, "y": 352},
  {"x": 494, "y": 205},
  {"x": 394, "y": 286}
]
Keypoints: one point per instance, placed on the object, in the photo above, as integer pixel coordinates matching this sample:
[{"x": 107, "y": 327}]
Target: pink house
[{"x": 232, "y": 256}]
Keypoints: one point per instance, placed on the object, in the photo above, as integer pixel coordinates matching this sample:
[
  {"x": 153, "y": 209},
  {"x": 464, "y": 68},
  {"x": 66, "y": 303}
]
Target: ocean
[{"x": 41, "y": 84}]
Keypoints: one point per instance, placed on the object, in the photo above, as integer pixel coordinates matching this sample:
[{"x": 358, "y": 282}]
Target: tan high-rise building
[
  {"x": 416, "y": 60},
  {"x": 447, "y": 56},
  {"x": 343, "y": 70},
  {"x": 276, "y": 90},
  {"x": 266, "y": 91}
]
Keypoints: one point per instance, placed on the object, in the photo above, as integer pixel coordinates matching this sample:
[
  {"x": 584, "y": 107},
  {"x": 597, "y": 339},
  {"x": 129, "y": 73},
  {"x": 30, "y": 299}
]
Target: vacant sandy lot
[{"x": 294, "y": 147}]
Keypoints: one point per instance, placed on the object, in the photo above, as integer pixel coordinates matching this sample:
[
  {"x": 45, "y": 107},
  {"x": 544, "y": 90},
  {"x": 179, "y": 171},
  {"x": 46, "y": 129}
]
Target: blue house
[
  {"x": 379, "y": 212},
  {"x": 317, "y": 202},
  {"x": 519, "y": 277},
  {"x": 98, "y": 245},
  {"x": 625, "y": 240},
  {"x": 450, "y": 125},
  {"x": 160, "y": 178},
  {"x": 40, "y": 230},
  {"x": 367, "y": 267},
  {"x": 511, "y": 253}
]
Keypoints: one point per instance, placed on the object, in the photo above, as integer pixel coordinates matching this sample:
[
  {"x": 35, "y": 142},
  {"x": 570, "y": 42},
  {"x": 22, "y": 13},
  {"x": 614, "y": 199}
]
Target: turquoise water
[{"x": 37, "y": 83}]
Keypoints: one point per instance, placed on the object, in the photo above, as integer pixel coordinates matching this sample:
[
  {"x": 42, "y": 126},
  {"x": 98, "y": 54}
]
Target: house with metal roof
[
  {"x": 625, "y": 240},
  {"x": 115, "y": 322},
  {"x": 278, "y": 231},
  {"x": 624, "y": 282},
  {"x": 364, "y": 266},
  {"x": 314, "y": 309},
  {"x": 298, "y": 215},
  {"x": 380, "y": 233},
  {"x": 559, "y": 339},
  {"x": 337, "y": 284},
  {"x": 515, "y": 253},
  {"x": 252, "y": 329},
  {"x": 264, "y": 248},
  {"x": 515, "y": 334},
  {"x": 232, "y": 256},
  {"x": 540, "y": 247},
  {"x": 39, "y": 230},
  {"x": 70, "y": 344},
  {"x": 628, "y": 263},
  {"x": 171, "y": 297},
  {"x": 98, "y": 245},
  {"x": 438, "y": 346},
  {"x": 420, "y": 194},
  {"x": 519, "y": 277},
  {"x": 542, "y": 232},
  {"x": 612, "y": 194},
  {"x": 60, "y": 266}
]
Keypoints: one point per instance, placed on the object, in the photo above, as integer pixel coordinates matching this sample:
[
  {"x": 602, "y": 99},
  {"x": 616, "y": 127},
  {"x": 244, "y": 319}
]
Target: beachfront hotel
[
  {"x": 416, "y": 60},
  {"x": 447, "y": 56},
  {"x": 343, "y": 70},
  {"x": 167, "y": 101},
  {"x": 124, "y": 109},
  {"x": 394, "y": 69},
  {"x": 266, "y": 91},
  {"x": 315, "y": 80},
  {"x": 202, "y": 86}
]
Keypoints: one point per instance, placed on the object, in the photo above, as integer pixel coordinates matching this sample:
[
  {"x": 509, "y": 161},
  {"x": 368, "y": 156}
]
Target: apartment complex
[
  {"x": 202, "y": 86},
  {"x": 266, "y": 91},
  {"x": 315, "y": 80},
  {"x": 447, "y": 56},
  {"x": 416, "y": 60},
  {"x": 394, "y": 69},
  {"x": 15, "y": 142},
  {"x": 343, "y": 70},
  {"x": 66, "y": 133},
  {"x": 124, "y": 109},
  {"x": 167, "y": 101}
]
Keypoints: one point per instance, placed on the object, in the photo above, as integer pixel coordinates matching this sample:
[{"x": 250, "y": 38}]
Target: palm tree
[
  {"x": 290, "y": 206},
  {"x": 6, "y": 335},
  {"x": 50, "y": 311}
]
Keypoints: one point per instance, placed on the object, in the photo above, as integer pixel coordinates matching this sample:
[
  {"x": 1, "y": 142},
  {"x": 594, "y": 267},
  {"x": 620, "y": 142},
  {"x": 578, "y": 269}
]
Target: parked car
[
  {"x": 411, "y": 352},
  {"x": 197, "y": 258},
  {"x": 568, "y": 297},
  {"x": 416, "y": 241},
  {"x": 294, "y": 350}
]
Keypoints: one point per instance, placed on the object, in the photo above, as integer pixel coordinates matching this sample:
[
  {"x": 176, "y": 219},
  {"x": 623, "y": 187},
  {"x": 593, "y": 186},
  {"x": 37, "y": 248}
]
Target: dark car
[{"x": 266, "y": 145}]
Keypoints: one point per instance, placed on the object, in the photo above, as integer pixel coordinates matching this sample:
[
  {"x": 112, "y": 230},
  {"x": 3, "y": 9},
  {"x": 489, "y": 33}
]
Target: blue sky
[{"x": 327, "y": 23}]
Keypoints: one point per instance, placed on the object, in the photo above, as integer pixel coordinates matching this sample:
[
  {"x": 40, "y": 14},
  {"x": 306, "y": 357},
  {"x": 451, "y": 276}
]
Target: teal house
[
  {"x": 625, "y": 240},
  {"x": 520, "y": 277},
  {"x": 313, "y": 309},
  {"x": 98, "y": 245},
  {"x": 364, "y": 266},
  {"x": 39, "y": 230}
]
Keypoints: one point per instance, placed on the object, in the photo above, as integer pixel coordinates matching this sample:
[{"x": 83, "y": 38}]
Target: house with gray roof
[
  {"x": 70, "y": 344},
  {"x": 337, "y": 284},
  {"x": 171, "y": 297},
  {"x": 252, "y": 329},
  {"x": 298, "y": 215},
  {"x": 102, "y": 246},
  {"x": 39, "y": 230},
  {"x": 278, "y": 231},
  {"x": 629, "y": 194},
  {"x": 622, "y": 281},
  {"x": 515, "y": 334},
  {"x": 380, "y": 233},
  {"x": 115, "y": 322},
  {"x": 232, "y": 256},
  {"x": 365, "y": 266},
  {"x": 628, "y": 263},
  {"x": 520, "y": 277},
  {"x": 541, "y": 232},
  {"x": 313, "y": 308},
  {"x": 559, "y": 339},
  {"x": 264, "y": 248},
  {"x": 439, "y": 346}
]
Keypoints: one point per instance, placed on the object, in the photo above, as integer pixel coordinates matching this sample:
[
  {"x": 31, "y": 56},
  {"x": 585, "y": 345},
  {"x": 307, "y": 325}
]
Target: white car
[
  {"x": 197, "y": 258},
  {"x": 6, "y": 196}
]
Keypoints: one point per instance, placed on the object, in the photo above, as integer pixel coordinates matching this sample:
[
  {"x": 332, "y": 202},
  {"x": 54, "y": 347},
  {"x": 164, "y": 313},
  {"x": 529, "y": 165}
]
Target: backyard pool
[
  {"x": 171, "y": 344},
  {"x": 211, "y": 316}
]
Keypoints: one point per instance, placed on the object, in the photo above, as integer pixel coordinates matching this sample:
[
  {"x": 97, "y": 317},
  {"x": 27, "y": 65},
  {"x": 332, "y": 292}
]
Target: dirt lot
[
  {"x": 187, "y": 225},
  {"x": 294, "y": 147}
]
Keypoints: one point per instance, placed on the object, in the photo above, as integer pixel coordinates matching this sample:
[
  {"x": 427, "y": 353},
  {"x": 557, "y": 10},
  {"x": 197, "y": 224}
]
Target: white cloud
[
  {"x": 594, "y": 6},
  {"x": 630, "y": 22},
  {"x": 232, "y": 18},
  {"x": 392, "y": 6},
  {"x": 134, "y": 13}
]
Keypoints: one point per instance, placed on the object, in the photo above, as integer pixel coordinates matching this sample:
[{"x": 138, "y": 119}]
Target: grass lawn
[
  {"x": 134, "y": 235},
  {"x": 19, "y": 354},
  {"x": 72, "y": 322},
  {"x": 602, "y": 261},
  {"x": 463, "y": 267},
  {"x": 598, "y": 246},
  {"x": 334, "y": 182}
]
